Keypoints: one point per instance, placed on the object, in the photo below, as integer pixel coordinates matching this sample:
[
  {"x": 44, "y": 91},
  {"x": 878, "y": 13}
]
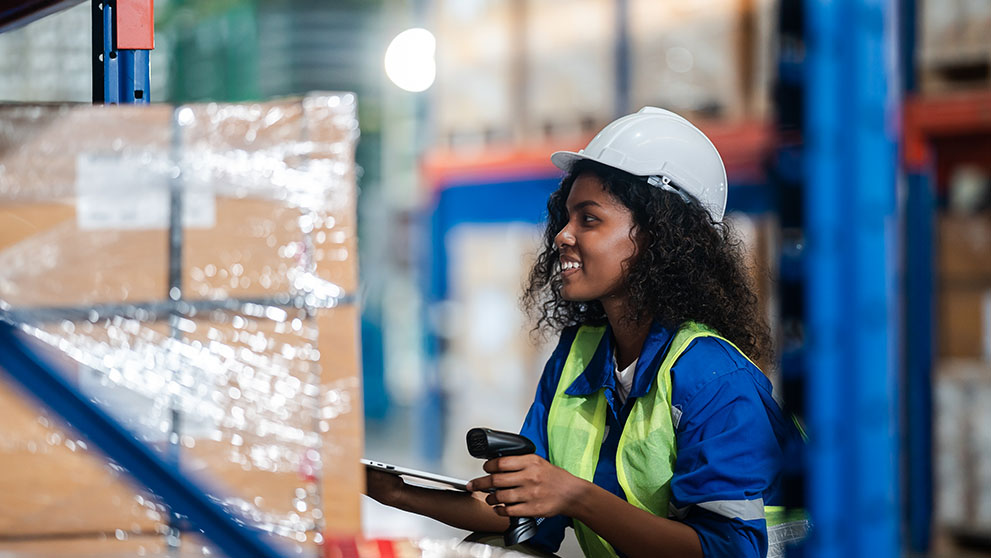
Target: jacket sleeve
[{"x": 728, "y": 460}]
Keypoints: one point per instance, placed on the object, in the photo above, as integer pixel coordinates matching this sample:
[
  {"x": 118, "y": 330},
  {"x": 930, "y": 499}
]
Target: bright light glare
[{"x": 409, "y": 60}]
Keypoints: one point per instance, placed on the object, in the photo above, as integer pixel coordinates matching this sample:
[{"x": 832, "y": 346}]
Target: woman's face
[{"x": 595, "y": 243}]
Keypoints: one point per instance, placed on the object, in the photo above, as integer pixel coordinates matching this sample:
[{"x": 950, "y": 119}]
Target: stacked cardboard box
[
  {"x": 529, "y": 69},
  {"x": 955, "y": 48},
  {"x": 965, "y": 286},
  {"x": 962, "y": 390},
  {"x": 570, "y": 59},
  {"x": 256, "y": 359},
  {"x": 686, "y": 56},
  {"x": 476, "y": 60}
]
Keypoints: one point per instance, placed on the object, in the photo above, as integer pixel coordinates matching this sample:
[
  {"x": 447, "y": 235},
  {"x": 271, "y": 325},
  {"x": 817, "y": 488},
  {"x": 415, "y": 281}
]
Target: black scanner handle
[{"x": 485, "y": 443}]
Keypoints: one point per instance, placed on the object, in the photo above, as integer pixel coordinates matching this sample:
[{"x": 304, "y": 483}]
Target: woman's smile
[{"x": 569, "y": 268}]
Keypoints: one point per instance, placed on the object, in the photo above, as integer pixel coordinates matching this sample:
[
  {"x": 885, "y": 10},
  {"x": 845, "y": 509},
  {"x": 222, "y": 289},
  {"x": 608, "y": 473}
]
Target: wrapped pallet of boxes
[
  {"x": 189, "y": 269},
  {"x": 689, "y": 57}
]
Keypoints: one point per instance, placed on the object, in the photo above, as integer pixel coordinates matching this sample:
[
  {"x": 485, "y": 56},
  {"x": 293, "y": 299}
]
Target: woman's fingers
[
  {"x": 524, "y": 486},
  {"x": 497, "y": 481},
  {"x": 507, "y": 496},
  {"x": 519, "y": 510},
  {"x": 506, "y": 464}
]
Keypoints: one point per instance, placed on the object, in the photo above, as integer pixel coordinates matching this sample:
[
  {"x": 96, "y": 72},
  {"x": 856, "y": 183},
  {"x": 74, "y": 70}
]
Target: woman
[{"x": 656, "y": 435}]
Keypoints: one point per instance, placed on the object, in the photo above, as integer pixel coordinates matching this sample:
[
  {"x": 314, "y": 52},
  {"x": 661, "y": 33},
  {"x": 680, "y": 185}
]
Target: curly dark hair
[{"x": 687, "y": 267}]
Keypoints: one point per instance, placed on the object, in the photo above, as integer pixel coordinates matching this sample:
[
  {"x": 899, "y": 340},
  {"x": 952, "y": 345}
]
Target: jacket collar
[{"x": 600, "y": 372}]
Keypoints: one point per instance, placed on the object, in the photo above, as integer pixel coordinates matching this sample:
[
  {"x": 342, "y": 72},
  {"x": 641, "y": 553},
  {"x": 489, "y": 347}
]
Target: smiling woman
[{"x": 655, "y": 433}]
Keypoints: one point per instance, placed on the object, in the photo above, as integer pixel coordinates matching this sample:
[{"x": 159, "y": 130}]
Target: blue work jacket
[{"x": 731, "y": 435}]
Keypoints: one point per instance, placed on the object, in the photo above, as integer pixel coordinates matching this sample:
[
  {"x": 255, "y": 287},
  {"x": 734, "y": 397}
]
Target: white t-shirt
[
  {"x": 624, "y": 383},
  {"x": 624, "y": 379}
]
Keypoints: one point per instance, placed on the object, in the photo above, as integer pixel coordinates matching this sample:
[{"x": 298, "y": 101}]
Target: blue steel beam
[
  {"x": 852, "y": 298},
  {"x": 919, "y": 334},
  {"x": 231, "y": 534},
  {"x": 126, "y": 72},
  {"x": 111, "y": 68},
  {"x": 134, "y": 76},
  {"x": 918, "y": 326}
]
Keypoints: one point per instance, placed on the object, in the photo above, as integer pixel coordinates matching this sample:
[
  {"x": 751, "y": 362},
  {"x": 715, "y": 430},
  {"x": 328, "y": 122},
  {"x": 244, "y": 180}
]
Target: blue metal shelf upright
[{"x": 852, "y": 227}]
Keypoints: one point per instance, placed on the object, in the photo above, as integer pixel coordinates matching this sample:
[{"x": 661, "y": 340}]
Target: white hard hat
[{"x": 663, "y": 147}]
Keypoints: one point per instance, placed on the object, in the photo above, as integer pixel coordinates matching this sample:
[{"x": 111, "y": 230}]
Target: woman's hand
[
  {"x": 529, "y": 486},
  {"x": 384, "y": 488}
]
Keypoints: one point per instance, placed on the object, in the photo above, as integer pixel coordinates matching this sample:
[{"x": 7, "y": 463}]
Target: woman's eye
[{"x": 588, "y": 218}]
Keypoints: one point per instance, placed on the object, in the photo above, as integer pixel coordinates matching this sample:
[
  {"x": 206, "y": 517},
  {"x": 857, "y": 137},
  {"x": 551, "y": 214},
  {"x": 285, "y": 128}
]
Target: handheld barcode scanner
[{"x": 485, "y": 443}]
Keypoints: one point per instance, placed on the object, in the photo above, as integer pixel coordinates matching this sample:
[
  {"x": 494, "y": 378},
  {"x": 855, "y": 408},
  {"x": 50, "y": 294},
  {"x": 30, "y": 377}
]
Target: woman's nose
[{"x": 564, "y": 238}]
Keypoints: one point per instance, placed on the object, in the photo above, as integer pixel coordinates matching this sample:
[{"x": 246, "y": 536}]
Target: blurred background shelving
[{"x": 453, "y": 184}]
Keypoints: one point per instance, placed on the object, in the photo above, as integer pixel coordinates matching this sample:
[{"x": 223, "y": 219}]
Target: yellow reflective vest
[{"x": 647, "y": 450}]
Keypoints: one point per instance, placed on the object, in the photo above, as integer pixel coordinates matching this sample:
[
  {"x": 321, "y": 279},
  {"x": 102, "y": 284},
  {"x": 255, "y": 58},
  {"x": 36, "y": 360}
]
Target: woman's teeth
[{"x": 570, "y": 265}]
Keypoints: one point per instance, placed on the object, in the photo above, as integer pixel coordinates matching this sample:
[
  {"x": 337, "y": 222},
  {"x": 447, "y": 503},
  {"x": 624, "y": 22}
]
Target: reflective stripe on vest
[{"x": 647, "y": 451}]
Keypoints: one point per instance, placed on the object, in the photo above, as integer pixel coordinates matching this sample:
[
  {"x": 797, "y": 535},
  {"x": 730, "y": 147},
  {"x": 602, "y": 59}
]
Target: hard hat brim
[{"x": 564, "y": 160}]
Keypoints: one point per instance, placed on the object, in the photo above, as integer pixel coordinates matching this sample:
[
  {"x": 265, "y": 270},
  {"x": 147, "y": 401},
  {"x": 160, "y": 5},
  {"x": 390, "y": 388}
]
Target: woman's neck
[{"x": 630, "y": 335}]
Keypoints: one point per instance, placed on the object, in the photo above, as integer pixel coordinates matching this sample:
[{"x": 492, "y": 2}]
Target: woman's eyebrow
[{"x": 585, "y": 203}]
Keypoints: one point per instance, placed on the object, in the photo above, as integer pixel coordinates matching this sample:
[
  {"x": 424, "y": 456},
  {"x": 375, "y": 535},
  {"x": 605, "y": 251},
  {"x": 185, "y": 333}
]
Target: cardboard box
[
  {"x": 955, "y": 46},
  {"x": 686, "y": 57},
  {"x": 965, "y": 248},
  {"x": 476, "y": 46},
  {"x": 964, "y": 280},
  {"x": 965, "y": 321},
  {"x": 570, "y": 76},
  {"x": 270, "y": 392}
]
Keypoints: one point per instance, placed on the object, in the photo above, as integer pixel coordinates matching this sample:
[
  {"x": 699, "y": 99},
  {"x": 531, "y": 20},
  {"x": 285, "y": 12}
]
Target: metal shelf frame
[
  {"x": 928, "y": 120},
  {"x": 853, "y": 221}
]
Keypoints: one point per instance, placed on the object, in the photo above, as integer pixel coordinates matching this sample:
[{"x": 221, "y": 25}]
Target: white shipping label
[{"x": 117, "y": 192}]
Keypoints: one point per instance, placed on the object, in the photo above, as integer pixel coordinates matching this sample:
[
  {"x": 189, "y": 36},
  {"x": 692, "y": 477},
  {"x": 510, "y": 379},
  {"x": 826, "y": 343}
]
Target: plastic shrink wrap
[{"x": 191, "y": 270}]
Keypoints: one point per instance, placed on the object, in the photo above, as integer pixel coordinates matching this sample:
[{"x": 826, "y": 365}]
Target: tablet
[{"x": 413, "y": 474}]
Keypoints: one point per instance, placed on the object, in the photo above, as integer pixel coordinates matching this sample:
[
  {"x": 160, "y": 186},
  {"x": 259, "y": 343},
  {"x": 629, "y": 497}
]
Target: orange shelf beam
[
  {"x": 929, "y": 118},
  {"x": 744, "y": 147}
]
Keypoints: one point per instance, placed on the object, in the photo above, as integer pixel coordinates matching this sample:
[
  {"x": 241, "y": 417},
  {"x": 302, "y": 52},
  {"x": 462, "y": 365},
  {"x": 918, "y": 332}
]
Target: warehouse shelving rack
[
  {"x": 123, "y": 35},
  {"x": 928, "y": 122}
]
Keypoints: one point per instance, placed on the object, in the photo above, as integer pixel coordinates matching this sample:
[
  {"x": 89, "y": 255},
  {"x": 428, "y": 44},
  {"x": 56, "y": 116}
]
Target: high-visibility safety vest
[{"x": 647, "y": 450}]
